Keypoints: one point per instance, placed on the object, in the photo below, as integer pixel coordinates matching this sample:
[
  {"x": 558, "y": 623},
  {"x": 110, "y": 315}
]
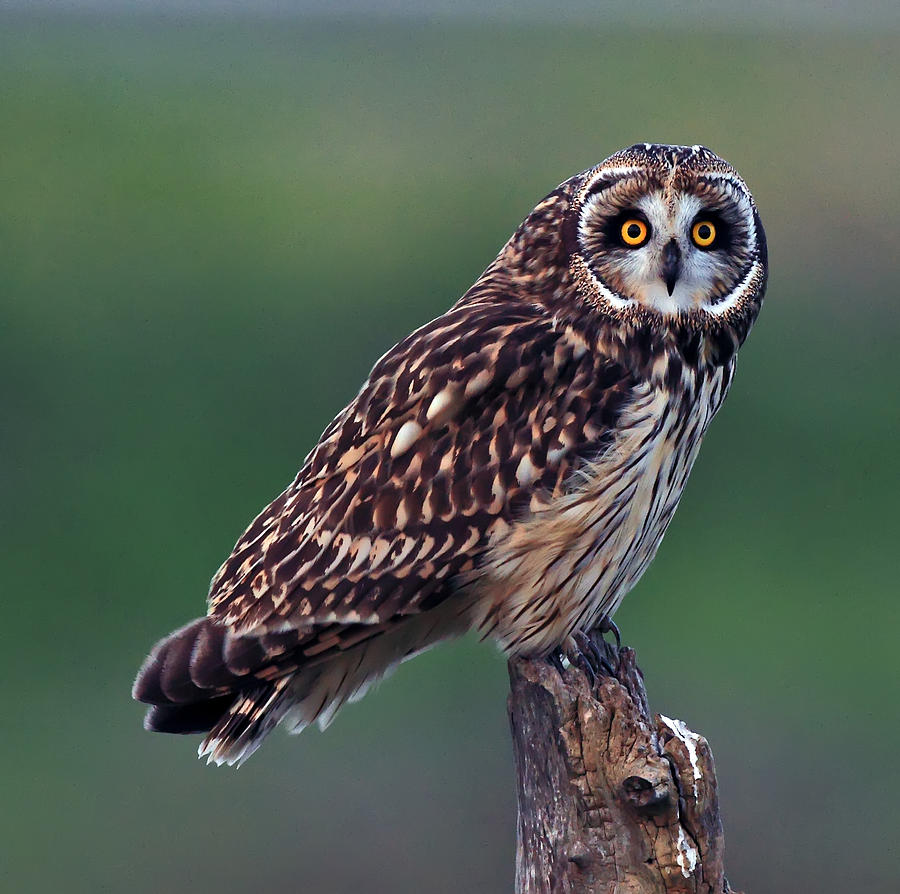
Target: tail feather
[
  {"x": 194, "y": 676},
  {"x": 186, "y": 666},
  {"x": 237, "y": 688},
  {"x": 313, "y": 693},
  {"x": 199, "y": 717},
  {"x": 245, "y": 723}
]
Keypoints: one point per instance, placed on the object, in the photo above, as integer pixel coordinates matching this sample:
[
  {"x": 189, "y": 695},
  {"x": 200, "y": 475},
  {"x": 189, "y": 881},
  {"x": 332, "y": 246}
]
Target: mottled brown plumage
[{"x": 510, "y": 467}]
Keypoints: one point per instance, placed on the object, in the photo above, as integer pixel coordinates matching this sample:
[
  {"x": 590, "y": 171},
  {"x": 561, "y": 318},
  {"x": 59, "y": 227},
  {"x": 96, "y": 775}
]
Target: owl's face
[{"x": 669, "y": 231}]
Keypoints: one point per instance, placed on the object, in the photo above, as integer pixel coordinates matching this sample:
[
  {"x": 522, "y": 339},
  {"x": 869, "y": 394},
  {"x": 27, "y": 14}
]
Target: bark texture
[{"x": 611, "y": 798}]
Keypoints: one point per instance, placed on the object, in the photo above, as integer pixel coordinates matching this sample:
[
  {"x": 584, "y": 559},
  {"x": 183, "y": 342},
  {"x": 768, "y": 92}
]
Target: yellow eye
[
  {"x": 703, "y": 233},
  {"x": 634, "y": 232}
]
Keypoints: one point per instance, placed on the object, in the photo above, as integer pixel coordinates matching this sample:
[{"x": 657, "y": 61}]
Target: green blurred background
[{"x": 211, "y": 226}]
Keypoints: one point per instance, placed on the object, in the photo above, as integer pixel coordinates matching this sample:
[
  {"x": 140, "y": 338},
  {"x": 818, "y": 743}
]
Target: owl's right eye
[{"x": 634, "y": 232}]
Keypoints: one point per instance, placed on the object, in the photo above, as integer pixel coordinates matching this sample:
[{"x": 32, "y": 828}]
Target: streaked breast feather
[{"x": 572, "y": 561}]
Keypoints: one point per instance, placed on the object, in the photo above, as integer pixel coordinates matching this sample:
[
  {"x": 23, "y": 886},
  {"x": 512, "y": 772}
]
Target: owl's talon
[
  {"x": 592, "y": 657},
  {"x": 588, "y": 649},
  {"x": 584, "y": 662},
  {"x": 608, "y": 625},
  {"x": 571, "y": 655}
]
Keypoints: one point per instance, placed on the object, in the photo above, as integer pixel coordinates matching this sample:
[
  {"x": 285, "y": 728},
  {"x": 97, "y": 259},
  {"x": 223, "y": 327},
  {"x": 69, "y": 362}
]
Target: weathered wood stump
[{"x": 611, "y": 799}]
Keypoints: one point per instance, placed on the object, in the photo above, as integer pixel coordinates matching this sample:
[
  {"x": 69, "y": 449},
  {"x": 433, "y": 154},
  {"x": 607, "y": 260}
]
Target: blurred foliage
[{"x": 209, "y": 232}]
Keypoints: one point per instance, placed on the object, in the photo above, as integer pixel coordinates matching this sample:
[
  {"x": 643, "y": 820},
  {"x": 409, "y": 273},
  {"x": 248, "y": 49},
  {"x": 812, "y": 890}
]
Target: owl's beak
[{"x": 671, "y": 265}]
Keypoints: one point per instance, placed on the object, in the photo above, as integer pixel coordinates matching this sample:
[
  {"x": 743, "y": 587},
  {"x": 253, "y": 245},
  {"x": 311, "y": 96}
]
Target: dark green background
[{"x": 209, "y": 231}]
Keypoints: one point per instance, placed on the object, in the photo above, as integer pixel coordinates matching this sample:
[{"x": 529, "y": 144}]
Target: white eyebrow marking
[{"x": 608, "y": 173}]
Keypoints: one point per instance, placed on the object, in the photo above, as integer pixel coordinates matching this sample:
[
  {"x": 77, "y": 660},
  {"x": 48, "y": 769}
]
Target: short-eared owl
[{"x": 508, "y": 468}]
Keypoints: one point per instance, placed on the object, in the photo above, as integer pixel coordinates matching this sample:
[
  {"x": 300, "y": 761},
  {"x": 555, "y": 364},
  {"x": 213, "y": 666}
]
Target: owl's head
[{"x": 667, "y": 232}]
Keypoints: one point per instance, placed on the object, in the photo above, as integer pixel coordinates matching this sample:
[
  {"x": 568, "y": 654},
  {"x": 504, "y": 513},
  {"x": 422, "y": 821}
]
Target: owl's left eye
[
  {"x": 634, "y": 232},
  {"x": 703, "y": 232}
]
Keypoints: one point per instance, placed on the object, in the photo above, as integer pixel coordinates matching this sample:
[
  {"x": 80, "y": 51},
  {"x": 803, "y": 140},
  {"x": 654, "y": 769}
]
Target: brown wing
[{"x": 457, "y": 430}]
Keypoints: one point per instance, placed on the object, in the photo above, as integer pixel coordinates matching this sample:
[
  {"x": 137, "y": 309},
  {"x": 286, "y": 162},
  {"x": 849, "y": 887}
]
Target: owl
[{"x": 510, "y": 468}]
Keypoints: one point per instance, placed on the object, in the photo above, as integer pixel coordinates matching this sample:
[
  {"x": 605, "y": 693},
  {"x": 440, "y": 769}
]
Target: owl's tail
[{"x": 237, "y": 688}]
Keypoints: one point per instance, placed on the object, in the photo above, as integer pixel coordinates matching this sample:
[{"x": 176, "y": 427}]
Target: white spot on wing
[
  {"x": 554, "y": 455},
  {"x": 363, "y": 546},
  {"x": 478, "y": 384},
  {"x": 442, "y": 404},
  {"x": 526, "y": 472},
  {"x": 342, "y": 542},
  {"x": 407, "y": 436}
]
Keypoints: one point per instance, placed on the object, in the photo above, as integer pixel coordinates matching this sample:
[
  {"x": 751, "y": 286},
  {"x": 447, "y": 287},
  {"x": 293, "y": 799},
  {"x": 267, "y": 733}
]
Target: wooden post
[{"x": 611, "y": 799}]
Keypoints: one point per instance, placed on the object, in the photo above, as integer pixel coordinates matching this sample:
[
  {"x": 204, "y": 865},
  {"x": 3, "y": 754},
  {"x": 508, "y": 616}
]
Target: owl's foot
[
  {"x": 572, "y": 655},
  {"x": 582, "y": 652},
  {"x": 593, "y": 655}
]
